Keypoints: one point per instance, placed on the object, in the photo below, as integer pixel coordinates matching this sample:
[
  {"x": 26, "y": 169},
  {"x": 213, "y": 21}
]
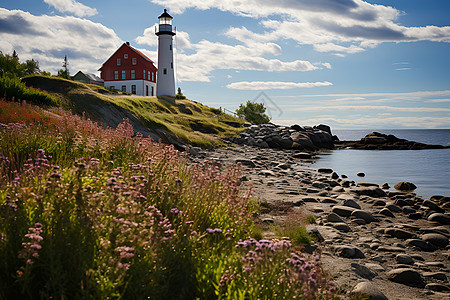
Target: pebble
[
  {"x": 393, "y": 208},
  {"x": 435, "y": 275},
  {"x": 421, "y": 244},
  {"x": 367, "y": 290}
]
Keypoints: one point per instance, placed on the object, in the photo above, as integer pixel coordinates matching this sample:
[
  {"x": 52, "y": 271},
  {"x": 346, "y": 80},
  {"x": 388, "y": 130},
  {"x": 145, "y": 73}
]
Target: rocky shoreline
[{"x": 374, "y": 243}]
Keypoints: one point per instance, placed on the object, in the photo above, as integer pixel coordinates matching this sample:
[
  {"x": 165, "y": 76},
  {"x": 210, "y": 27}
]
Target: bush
[
  {"x": 253, "y": 112},
  {"x": 13, "y": 87}
]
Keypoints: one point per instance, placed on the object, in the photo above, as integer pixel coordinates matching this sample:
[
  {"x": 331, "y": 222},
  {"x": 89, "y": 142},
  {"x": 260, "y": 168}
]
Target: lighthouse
[{"x": 165, "y": 83}]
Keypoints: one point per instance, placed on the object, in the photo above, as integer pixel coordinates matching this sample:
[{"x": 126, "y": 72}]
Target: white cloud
[
  {"x": 367, "y": 108},
  {"x": 72, "y": 7},
  {"x": 438, "y": 100},
  {"x": 402, "y": 69},
  {"x": 49, "y": 38},
  {"x": 272, "y": 85},
  {"x": 340, "y": 27}
]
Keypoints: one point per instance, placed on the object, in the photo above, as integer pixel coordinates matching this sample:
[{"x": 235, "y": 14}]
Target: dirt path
[{"x": 389, "y": 242}]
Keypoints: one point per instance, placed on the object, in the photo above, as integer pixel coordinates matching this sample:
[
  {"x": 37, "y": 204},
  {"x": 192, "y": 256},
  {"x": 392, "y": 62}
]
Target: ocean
[{"x": 429, "y": 170}]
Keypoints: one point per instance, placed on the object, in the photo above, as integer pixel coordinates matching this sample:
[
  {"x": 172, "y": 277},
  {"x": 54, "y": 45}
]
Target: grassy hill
[{"x": 172, "y": 120}]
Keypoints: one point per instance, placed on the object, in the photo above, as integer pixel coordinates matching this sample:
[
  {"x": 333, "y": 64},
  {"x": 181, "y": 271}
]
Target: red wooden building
[{"x": 129, "y": 70}]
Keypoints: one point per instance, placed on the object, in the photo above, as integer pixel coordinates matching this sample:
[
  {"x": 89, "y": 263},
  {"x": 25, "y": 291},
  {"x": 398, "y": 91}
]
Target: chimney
[{"x": 128, "y": 43}]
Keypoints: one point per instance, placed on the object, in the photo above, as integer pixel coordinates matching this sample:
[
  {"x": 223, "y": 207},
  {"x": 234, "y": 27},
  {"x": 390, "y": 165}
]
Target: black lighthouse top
[{"x": 165, "y": 24}]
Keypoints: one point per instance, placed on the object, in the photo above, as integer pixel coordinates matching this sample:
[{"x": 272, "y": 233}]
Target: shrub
[
  {"x": 253, "y": 112},
  {"x": 14, "y": 88}
]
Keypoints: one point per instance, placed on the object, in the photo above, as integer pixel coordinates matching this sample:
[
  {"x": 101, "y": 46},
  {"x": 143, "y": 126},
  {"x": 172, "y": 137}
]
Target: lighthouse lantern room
[{"x": 165, "y": 84}]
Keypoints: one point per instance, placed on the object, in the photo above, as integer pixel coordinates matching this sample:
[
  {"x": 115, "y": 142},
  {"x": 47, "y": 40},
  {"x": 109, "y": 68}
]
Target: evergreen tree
[{"x": 64, "y": 72}]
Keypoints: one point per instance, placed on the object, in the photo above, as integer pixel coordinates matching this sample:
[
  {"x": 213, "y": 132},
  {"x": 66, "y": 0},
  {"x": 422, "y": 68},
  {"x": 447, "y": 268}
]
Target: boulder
[
  {"x": 323, "y": 127},
  {"x": 334, "y": 218},
  {"x": 405, "y": 186},
  {"x": 421, "y": 244},
  {"x": 351, "y": 203},
  {"x": 341, "y": 227},
  {"x": 386, "y": 212},
  {"x": 399, "y": 233},
  {"x": 363, "y": 271},
  {"x": 404, "y": 259}
]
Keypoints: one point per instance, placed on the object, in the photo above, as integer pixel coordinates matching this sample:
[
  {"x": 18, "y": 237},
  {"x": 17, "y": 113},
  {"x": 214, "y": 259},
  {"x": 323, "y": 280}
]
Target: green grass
[{"x": 192, "y": 122}]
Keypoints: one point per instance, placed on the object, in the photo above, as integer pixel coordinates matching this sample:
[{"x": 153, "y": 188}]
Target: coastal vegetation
[
  {"x": 253, "y": 112},
  {"x": 102, "y": 213}
]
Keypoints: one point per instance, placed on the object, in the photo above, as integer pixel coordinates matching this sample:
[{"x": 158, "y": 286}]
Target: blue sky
[{"x": 346, "y": 63}]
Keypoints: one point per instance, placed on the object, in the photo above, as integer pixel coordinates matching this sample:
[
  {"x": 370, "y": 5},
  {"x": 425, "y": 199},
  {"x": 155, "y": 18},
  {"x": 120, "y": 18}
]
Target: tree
[
  {"x": 10, "y": 66},
  {"x": 253, "y": 112},
  {"x": 31, "y": 66},
  {"x": 64, "y": 72}
]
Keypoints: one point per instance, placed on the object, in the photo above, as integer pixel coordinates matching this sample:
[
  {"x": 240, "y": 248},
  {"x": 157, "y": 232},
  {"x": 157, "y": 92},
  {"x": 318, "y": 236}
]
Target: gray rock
[
  {"x": 348, "y": 251},
  {"x": 266, "y": 173},
  {"x": 342, "y": 227},
  {"x": 437, "y": 287},
  {"x": 390, "y": 249},
  {"x": 361, "y": 174},
  {"x": 302, "y": 155},
  {"x": 351, "y": 203},
  {"x": 334, "y": 218},
  {"x": 363, "y": 271},
  {"x": 325, "y": 170},
  {"x": 334, "y": 175},
  {"x": 361, "y": 214},
  {"x": 385, "y": 186},
  {"x": 393, "y": 208},
  {"x": 431, "y": 205},
  {"x": 246, "y": 162},
  {"x": 404, "y": 259},
  {"x": 371, "y": 191},
  {"x": 405, "y": 186},
  {"x": 405, "y": 276},
  {"x": 435, "y": 275},
  {"x": 399, "y": 233},
  {"x": 436, "y": 239},
  {"x": 343, "y": 211},
  {"x": 386, "y": 212},
  {"x": 440, "y": 218},
  {"x": 421, "y": 244}
]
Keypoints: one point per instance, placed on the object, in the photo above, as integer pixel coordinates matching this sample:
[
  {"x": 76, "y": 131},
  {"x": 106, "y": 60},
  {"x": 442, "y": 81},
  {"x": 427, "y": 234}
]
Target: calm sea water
[{"x": 429, "y": 170}]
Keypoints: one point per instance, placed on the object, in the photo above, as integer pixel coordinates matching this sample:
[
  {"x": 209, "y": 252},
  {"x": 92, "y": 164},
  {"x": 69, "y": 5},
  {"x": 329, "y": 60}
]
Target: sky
[{"x": 350, "y": 64}]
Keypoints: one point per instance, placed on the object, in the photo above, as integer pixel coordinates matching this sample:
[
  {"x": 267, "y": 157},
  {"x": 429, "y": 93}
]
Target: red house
[{"x": 129, "y": 70}]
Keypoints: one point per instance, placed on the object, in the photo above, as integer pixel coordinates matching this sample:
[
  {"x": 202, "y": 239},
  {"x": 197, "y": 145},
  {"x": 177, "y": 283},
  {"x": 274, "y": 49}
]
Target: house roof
[
  {"x": 127, "y": 44},
  {"x": 93, "y": 77}
]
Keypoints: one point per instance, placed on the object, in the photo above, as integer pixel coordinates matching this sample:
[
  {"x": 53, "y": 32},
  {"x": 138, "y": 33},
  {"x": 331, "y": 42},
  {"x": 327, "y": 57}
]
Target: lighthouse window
[
  {"x": 118, "y": 62},
  {"x": 165, "y": 71},
  {"x": 124, "y": 75},
  {"x": 171, "y": 65},
  {"x": 116, "y": 75},
  {"x": 133, "y": 61},
  {"x": 133, "y": 74},
  {"x": 170, "y": 47}
]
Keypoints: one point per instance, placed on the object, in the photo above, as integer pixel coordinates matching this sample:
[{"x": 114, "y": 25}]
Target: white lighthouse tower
[{"x": 165, "y": 83}]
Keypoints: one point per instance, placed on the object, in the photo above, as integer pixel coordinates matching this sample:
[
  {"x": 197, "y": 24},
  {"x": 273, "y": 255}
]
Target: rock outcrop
[
  {"x": 380, "y": 141},
  {"x": 280, "y": 137}
]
